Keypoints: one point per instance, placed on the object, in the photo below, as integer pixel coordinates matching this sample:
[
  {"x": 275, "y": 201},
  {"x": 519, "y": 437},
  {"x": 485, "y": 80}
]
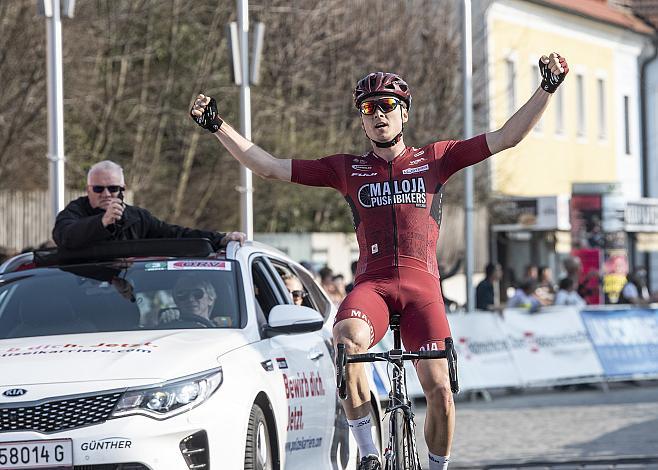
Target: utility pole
[
  {"x": 238, "y": 37},
  {"x": 246, "y": 177},
  {"x": 51, "y": 10},
  {"x": 467, "y": 80}
]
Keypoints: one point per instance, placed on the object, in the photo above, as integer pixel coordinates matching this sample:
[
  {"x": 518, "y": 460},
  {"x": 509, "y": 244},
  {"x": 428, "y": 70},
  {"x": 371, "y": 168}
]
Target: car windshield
[{"x": 125, "y": 296}]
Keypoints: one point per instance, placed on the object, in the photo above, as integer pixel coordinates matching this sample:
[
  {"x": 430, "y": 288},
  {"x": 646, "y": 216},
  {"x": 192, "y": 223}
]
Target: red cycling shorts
[{"x": 414, "y": 294}]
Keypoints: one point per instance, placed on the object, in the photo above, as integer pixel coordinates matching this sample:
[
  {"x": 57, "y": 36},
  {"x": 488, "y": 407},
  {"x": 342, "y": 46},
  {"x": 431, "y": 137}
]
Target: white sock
[
  {"x": 438, "y": 462},
  {"x": 361, "y": 430}
]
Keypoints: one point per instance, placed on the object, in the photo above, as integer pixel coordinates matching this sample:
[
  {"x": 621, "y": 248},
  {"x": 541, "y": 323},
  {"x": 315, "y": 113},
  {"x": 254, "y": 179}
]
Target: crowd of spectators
[{"x": 538, "y": 289}]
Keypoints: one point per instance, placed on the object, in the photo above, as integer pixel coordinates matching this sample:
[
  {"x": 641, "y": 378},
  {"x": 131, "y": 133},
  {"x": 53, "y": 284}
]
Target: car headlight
[{"x": 171, "y": 398}]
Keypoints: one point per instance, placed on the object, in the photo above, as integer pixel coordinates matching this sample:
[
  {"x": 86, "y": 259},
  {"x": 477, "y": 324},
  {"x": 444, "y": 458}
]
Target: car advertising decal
[
  {"x": 304, "y": 387},
  {"x": 303, "y": 443},
  {"x": 77, "y": 348},
  {"x": 109, "y": 443},
  {"x": 159, "y": 266},
  {"x": 198, "y": 265}
]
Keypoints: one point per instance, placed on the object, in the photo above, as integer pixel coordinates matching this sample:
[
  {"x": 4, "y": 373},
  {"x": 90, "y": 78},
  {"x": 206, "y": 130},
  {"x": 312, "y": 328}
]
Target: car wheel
[{"x": 258, "y": 451}]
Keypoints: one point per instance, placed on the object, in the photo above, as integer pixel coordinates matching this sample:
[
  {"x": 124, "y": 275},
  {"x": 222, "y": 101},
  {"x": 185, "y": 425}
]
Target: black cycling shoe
[{"x": 370, "y": 462}]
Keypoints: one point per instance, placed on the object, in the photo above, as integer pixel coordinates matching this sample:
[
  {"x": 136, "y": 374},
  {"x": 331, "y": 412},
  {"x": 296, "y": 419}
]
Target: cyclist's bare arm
[
  {"x": 252, "y": 156},
  {"x": 518, "y": 126},
  {"x": 246, "y": 152}
]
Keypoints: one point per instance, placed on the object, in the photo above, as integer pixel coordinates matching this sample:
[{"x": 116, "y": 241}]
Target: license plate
[{"x": 56, "y": 453}]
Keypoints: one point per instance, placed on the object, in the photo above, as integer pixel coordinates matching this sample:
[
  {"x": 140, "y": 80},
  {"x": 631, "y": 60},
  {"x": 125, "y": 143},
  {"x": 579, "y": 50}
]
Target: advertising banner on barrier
[
  {"x": 484, "y": 354},
  {"x": 626, "y": 340},
  {"x": 550, "y": 346}
]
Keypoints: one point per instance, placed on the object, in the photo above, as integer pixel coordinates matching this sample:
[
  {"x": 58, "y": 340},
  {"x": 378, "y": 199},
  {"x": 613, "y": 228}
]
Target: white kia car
[{"x": 162, "y": 354}]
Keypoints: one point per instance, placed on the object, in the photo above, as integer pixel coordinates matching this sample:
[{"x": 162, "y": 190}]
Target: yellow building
[{"x": 590, "y": 135}]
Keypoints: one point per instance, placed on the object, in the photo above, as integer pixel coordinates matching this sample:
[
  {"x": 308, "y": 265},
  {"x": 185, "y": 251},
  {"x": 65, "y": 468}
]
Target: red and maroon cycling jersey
[{"x": 396, "y": 206}]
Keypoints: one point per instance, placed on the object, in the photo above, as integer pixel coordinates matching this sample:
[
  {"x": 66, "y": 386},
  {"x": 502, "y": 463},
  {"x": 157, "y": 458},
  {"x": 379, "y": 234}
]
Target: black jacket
[{"x": 79, "y": 225}]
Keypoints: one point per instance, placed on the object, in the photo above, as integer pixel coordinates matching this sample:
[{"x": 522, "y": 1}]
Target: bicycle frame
[
  {"x": 398, "y": 400},
  {"x": 401, "y": 452}
]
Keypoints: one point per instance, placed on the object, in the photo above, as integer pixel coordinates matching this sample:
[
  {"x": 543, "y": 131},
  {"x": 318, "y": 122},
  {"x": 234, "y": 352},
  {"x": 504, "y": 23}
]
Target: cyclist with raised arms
[{"x": 394, "y": 192}]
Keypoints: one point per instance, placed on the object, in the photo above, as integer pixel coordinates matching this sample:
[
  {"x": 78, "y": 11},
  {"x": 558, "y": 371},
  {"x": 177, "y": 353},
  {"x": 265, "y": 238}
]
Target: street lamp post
[
  {"x": 246, "y": 177},
  {"x": 467, "y": 71},
  {"x": 51, "y": 9},
  {"x": 238, "y": 37}
]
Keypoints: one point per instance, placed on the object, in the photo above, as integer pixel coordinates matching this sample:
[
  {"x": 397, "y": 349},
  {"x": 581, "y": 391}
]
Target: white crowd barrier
[{"x": 557, "y": 345}]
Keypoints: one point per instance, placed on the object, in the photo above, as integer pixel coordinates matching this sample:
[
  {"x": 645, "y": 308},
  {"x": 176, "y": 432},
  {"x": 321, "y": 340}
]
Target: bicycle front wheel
[{"x": 404, "y": 452}]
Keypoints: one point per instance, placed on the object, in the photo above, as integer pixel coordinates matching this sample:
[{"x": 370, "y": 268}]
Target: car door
[
  {"x": 308, "y": 382},
  {"x": 342, "y": 450}
]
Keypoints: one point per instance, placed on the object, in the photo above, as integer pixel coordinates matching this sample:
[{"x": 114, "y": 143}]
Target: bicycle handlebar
[
  {"x": 396, "y": 354},
  {"x": 342, "y": 359}
]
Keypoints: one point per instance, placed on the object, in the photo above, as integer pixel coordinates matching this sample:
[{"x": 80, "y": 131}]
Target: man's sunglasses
[
  {"x": 298, "y": 294},
  {"x": 385, "y": 104},
  {"x": 112, "y": 188},
  {"x": 183, "y": 295}
]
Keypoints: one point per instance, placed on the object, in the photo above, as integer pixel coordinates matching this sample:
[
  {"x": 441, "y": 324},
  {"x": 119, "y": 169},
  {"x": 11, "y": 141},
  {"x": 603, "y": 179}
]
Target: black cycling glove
[
  {"x": 209, "y": 119},
  {"x": 550, "y": 81}
]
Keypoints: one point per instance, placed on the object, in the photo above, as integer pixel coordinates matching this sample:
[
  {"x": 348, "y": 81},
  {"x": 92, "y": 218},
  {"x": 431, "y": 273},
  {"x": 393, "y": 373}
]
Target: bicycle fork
[{"x": 398, "y": 401}]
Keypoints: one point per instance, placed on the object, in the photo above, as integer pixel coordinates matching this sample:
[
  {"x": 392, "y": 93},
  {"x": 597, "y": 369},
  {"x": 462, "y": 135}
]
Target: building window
[
  {"x": 580, "y": 98},
  {"x": 627, "y": 125},
  {"x": 602, "y": 117},
  {"x": 535, "y": 79},
  {"x": 511, "y": 86},
  {"x": 559, "y": 110}
]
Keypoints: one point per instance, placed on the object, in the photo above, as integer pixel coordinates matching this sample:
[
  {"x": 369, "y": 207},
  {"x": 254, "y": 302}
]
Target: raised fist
[
  {"x": 553, "y": 69},
  {"x": 204, "y": 113}
]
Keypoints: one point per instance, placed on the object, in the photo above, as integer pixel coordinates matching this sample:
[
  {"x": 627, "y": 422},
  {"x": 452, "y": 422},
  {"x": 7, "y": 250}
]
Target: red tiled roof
[
  {"x": 647, "y": 9},
  {"x": 602, "y": 11}
]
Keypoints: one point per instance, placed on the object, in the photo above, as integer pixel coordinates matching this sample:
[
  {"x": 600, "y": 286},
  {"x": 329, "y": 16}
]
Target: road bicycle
[{"x": 401, "y": 452}]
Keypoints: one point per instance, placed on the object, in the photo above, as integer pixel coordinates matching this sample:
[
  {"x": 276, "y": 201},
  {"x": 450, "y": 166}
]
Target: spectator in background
[
  {"x": 524, "y": 297},
  {"x": 339, "y": 282},
  {"x": 567, "y": 294},
  {"x": 532, "y": 272},
  {"x": 574, "y": 269},
  {"x": 102, "y": 215},
  {"x": 635, "y": 291},
  {"x": 295, "y": 287},
  {"x": 546, "y": 286},
  {"x": 328, "y": 284},
  {"x": 484, "y": 292},
  {"x": 350, "y": 286}
]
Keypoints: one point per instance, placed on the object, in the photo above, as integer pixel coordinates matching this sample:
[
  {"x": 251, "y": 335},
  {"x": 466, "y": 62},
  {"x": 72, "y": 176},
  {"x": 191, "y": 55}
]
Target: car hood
[{"x": 96, "y": 361}]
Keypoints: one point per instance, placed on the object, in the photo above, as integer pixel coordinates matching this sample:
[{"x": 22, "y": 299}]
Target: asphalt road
[{"x": 600, "y": 429}]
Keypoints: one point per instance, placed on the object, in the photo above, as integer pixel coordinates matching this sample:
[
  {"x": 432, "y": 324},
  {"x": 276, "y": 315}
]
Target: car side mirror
[{"x": 291, "y": 319}]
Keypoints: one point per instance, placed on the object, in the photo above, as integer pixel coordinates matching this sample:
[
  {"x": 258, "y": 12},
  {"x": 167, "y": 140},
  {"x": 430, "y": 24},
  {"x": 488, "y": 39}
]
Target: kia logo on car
[{"x": 14, "y": 392}]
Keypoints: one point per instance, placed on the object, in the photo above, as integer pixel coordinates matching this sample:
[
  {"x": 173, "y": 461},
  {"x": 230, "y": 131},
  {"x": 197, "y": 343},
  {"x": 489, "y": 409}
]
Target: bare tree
[
  {"x": 22, "y": 95},
  {"x": 133, "y": 66}
]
